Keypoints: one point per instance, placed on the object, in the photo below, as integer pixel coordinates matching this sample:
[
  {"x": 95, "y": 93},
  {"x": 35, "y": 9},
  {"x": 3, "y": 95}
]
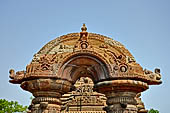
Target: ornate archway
[{"x": 114, "y": 71}]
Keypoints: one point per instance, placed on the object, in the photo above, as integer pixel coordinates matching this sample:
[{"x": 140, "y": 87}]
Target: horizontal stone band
[
  {"x": 46, "y": 99},
  {"x": 116, "y": 100}
]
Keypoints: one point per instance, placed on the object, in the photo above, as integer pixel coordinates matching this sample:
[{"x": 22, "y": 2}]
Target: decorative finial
[{"x": 84, "y": 28}]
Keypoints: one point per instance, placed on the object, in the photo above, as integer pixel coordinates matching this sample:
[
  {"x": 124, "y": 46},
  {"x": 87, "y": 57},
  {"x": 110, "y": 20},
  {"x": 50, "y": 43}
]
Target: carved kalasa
[{"x": 57, "y": 66}]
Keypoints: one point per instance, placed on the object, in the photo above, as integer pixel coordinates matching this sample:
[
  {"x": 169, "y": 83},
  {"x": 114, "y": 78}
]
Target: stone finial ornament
[
  {"x": 61, "y": 62},
  {"x": 84, "y": 28}
]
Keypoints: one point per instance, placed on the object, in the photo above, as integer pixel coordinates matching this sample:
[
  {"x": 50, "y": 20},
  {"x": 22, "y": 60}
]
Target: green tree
[
  {"x": 11, "y": 107},
  {"x": 153, "y": 111}
]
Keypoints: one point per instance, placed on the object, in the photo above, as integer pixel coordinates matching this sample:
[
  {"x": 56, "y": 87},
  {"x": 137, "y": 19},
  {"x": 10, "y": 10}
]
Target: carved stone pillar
[
  {"x": 121, "y": 95},
  {"x": 47, "y": 93},
  {"x": 121, "y": 102},
  {"x": 140, "y": 104}
]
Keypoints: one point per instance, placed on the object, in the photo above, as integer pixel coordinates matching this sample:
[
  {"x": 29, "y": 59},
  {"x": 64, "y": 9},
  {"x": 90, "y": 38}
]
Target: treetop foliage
[
  {"x": 11, "y": 107},
  {"x": 153, "y": 111}
]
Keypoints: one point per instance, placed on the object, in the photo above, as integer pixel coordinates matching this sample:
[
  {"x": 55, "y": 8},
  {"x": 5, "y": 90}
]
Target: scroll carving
[
  {"x": 16, "y": 77},
  {"x": 153, "y": 76}
]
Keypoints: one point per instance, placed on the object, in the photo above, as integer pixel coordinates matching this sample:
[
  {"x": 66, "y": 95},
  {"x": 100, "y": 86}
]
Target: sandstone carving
[
  {"x": 114, "y": 71},
  {"x": 16, "y": 77},
  {"x": 140, "y": 104},
  {"x": 154, "y": 76},
  {"x": 82, "y": 97}
]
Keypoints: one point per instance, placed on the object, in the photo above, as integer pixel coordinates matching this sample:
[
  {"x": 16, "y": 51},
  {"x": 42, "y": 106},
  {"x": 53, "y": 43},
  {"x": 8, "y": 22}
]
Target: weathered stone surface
[
  {"x": 83, "y": 98},
  {"x": 57, "y": 66}
]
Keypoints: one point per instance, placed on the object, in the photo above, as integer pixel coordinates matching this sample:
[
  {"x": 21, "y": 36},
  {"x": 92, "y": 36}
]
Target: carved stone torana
[{"x": 57, "y": 66}]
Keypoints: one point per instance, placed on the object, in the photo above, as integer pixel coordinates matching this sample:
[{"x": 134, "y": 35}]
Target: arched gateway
[{"x": 61, "y": 62}]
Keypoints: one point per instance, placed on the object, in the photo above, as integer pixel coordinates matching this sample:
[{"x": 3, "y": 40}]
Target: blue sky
[{"x": 143, "y": 26}]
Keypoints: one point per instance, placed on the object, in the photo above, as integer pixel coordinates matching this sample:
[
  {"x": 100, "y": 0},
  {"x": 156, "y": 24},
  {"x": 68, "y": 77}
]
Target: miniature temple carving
[
  {"x": 118, "y": 79},
  {"x": 83, "y": 98}
]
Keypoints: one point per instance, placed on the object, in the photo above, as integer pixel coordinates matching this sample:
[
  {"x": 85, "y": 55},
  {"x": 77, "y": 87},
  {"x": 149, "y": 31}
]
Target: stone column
[
  {"x": 121, "y": 94},
  {"x": 47, "y": 93},
  {"x": 121, "y": 102},
  {"x": 46, "y": 104},
  {"x": 140, "y": 104}
]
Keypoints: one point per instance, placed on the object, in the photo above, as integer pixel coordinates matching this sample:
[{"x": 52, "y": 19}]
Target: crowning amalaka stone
[{"x": 54, "y": 70}]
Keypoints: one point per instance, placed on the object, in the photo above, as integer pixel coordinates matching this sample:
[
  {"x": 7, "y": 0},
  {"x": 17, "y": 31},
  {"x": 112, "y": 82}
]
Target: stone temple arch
[
  {"x": 114, "y": 71},
  {"x": 84, "y": 65}
]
